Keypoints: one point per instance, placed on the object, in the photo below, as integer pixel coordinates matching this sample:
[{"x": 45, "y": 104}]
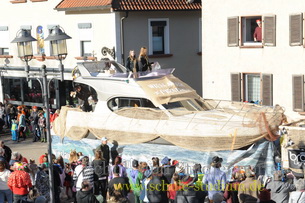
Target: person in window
[
  {"x": 258, "y": 31},
  {"x": 131, "y": 62},
  {"x": 144, "y": 64}
]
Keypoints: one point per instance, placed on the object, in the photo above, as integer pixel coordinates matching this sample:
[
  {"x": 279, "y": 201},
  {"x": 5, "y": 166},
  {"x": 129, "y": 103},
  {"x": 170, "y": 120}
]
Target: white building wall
[
  {"x": 219, "y": 60},
  {"x": 43, "y": 13}
]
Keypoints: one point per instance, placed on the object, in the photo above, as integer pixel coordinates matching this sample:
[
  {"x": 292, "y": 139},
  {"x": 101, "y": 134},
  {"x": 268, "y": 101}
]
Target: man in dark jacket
[
  {"x": 120, "y": 184},
  {"x": 189, "y": 193},
  {"x": 34, "y": 123},
  {"x": 7, "y": 151},
  {"x": 104, "y": 148},
  {"x": 157, "y": 189},
  {"x": 85, "y": 195},
  {"x": 168, "y": 170}
]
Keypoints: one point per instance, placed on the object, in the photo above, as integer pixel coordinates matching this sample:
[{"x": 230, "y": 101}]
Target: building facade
[
  {"x": 269, "y": 71},
  {"x": 99, "y": 29}
]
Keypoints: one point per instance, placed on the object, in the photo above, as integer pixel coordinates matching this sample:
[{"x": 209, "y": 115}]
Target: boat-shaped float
[{"x": 137, "y": 108}]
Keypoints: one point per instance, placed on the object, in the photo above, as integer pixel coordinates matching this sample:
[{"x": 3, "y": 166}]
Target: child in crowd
[
  {"x": 68, "y": 180},
  {"x": 42, "y": 127},
  {"x": 14, "y": 130}
]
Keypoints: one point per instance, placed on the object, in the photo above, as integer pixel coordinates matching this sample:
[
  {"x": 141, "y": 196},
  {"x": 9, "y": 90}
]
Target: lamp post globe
[
  {"x": 24, "y": 41},
  {"x": 58, "y": 37}
]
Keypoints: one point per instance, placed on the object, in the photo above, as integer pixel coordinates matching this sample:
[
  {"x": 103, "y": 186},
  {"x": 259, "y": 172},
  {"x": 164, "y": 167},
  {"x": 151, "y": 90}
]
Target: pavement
[{"x": 28, "y": 149}]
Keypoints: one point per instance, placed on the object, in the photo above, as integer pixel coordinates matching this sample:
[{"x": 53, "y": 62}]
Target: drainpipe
[{"x": 122, "y": 38}]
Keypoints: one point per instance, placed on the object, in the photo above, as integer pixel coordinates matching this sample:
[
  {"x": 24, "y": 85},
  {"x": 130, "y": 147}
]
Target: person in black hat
[
  {"x": 118, "y": 182},
  {"x": 135, "y": 177},
  {"x": 214, "y": 178},
  {"x": 168, "y": 170}
]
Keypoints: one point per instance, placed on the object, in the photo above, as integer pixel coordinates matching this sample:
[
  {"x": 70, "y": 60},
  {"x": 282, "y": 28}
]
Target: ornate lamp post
[
  {"x": 59, "y": 47},
  {"x": 25, "y": 51}
]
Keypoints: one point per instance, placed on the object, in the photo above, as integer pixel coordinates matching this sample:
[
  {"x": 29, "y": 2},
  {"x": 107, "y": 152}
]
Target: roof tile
[{"x": 132, "y": 5}]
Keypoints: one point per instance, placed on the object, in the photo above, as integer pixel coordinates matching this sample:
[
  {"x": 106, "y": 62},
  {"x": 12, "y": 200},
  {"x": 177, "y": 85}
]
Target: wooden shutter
[
  {"x": 298, "y": 92},
  {"x": 269, "y": 31},
  {"x": 267, "y": 90},
  {"x": 296, "y": 29},
  {"x": 235, "y": 87},
  {"x": 233, "y": 31}
]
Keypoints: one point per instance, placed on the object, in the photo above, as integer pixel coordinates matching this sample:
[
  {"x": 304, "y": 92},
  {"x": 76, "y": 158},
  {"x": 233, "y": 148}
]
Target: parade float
[{"x": 134, "y": 108}]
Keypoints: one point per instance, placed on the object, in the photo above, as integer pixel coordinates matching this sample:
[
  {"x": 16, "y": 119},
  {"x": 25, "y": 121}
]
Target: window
[
  {"x": 86, "y": 48},
  {"x": 85, "y": 38},
  {"x": 4, "y": 40},
  {"x": 252, "y": 87},
  {"x": 121, "y": 102},
  {"x": 158, "y": 36},
  {"x": 4, "y": 51},
  {"x": 251, "y": 26},
  {"x": 253, "y": 31}
]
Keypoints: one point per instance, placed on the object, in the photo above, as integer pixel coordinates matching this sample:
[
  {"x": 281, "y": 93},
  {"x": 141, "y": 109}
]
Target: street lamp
[
  {"x": 58, "y": 37},
  {"x": 25, "y": 51}
]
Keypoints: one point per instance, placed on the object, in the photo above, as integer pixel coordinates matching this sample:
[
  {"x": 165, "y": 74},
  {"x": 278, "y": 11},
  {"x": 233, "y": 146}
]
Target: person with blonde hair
[
  {"x": 144, "y": 64},
  {"x": 132, "y": 63}
]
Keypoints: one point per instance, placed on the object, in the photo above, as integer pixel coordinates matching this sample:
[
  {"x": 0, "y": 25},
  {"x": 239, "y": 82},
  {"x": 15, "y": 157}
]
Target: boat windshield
[
  {"x": 104, "y": 66},
  {"x": 185, "y": 106}
]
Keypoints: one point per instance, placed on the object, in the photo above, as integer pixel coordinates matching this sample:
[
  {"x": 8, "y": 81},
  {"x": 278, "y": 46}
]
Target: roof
[
  {"x": 155, "y": 5},
  {"x": 130, "y": 5},
  {"x": 83, "y": 4}
]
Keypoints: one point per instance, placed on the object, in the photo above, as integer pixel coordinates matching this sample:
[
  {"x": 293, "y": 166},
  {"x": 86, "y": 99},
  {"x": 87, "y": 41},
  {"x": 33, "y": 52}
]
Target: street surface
[{"x": 28, "y": 148}]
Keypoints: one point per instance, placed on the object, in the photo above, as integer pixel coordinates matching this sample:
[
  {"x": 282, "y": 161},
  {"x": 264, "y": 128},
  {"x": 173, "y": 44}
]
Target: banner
[{"x": 296, "y": 158}]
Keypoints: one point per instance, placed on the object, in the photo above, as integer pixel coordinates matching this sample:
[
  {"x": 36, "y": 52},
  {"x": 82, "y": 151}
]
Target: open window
[
  {"x": 251, "y": 31},
  {"x": 252, "y": 87}
]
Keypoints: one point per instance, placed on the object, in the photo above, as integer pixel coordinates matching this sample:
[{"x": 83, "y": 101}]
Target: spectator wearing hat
[
  {"x": 214, "y": 178},
  {"x": 299, "y": 194},
  {"x": 104, "y": 148},
  {"x": 167, "y": 169},
  {"x": 280, "y": 189},
  {"x": 19, "y": 182},
  {"x": 135, "y": 177},
  {"x": 258, "y": 31},
  {"x": 120, "y": 184},
  {"x": 248, "y": 190},
  {"x": 189, "y": 193},
  {"x": 34, "y": 123},
  {"x": 145, "y": 181}
]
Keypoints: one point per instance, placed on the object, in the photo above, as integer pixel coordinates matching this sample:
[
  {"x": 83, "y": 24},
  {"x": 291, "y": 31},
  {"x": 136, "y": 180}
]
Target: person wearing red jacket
[{"x": 19, "y": 182}]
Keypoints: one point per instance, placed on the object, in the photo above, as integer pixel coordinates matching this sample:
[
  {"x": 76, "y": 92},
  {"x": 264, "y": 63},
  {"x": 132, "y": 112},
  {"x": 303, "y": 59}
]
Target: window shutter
[
  {"x": 296, "y": 29},
  {"x": 235, "y": 87},
  {"x": 233, "y": 31},
  {"x": 267, "y": 90},
  {"x": 298, "y": 92},
  {"x": 269, "y": 31}
]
